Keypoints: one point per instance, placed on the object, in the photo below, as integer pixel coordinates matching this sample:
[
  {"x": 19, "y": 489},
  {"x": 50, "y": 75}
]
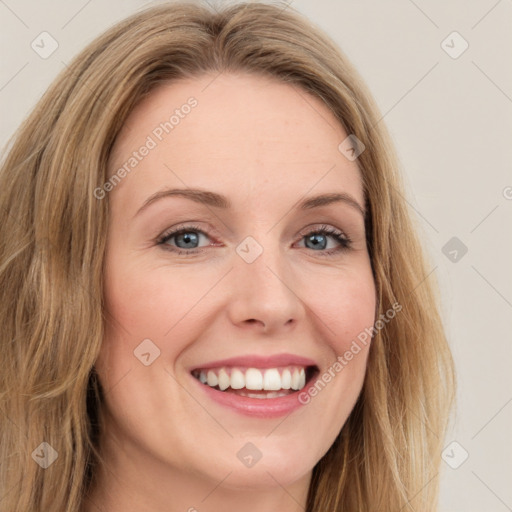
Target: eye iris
[
  {"x": 187, "y": 238},
  {"x": 314, "y": 239}
]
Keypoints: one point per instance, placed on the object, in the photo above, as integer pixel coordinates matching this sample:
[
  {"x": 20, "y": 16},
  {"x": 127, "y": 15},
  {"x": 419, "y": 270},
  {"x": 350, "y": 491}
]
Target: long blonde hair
[{"x": 52, "y": 242}]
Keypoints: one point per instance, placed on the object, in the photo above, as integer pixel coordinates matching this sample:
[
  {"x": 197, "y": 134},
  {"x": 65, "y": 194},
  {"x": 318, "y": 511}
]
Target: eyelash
[{"x": 344, "y": 241}]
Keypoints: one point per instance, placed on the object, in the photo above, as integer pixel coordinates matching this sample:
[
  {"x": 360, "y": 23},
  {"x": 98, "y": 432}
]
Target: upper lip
[{"x": 258, "y": 361}]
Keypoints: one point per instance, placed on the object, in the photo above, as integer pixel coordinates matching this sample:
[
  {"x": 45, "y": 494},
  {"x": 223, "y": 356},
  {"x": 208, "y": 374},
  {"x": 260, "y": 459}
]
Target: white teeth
[
  {"x": 253, "y": 379},
  {"x": 271, "y": 379},
  {"x": 223, "y": 379},
  {"x": 237, "y": 379},
  {"x": 286, "y": 379},
  {"x": 270, "y": 394},
  {"x": 302, "y": 378},
  {"x": 212, "y": 379},
  {"x": 295, "y": 379}
]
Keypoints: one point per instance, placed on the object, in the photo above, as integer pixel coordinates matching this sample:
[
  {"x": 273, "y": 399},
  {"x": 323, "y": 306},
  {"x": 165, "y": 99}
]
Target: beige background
[{"x": 451, "y": 120}]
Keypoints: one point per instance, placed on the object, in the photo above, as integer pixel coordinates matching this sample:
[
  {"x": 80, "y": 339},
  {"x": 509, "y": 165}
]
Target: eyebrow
[{"x": 219, "y": 201}]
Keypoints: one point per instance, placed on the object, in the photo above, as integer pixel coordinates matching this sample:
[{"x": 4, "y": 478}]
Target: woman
[{"x": 213, "y": 295}]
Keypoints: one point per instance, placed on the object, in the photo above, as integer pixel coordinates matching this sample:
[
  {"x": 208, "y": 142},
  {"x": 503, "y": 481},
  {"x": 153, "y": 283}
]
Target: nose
[{"x": 264, "y": 294}]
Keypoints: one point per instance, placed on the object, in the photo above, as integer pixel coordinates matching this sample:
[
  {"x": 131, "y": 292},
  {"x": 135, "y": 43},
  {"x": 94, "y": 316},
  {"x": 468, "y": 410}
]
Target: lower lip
[{"x": 255, "y": 407}]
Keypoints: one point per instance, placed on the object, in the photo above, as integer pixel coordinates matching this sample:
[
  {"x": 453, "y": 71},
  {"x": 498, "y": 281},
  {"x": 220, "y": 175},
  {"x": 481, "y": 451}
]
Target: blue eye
[
  {"x": 185, "y": 240},
  {"x": 317, "y": 240}
]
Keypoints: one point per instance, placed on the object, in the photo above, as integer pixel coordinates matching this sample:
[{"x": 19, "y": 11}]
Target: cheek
[
  {"x": 148, "y": 301},
  {"x": 345, "y": 304},
  {"x": 142, "y": 302},
  {"x": 138, "y": 307}
]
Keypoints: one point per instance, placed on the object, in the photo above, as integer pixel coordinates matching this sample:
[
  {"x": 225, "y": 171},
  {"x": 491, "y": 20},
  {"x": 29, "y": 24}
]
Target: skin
[{"x": 265, "y": 145}]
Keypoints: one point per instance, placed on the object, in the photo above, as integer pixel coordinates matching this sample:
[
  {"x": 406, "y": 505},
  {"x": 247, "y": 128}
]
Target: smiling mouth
[{"x": 257, "y": 382}]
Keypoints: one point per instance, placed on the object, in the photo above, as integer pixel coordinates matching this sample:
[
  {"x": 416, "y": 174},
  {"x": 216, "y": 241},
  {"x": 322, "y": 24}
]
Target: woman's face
[{"x": 251, "y": 292}]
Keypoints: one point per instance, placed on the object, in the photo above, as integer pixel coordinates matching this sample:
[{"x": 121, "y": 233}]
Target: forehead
[{"x": 246, "y": 134}]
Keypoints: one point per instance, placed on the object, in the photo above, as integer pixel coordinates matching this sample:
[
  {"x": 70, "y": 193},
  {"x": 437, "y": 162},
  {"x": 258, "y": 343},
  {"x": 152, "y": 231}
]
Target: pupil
[
  {"x": 315, "y": 241},
  {"x": 187, "y": 238}
]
